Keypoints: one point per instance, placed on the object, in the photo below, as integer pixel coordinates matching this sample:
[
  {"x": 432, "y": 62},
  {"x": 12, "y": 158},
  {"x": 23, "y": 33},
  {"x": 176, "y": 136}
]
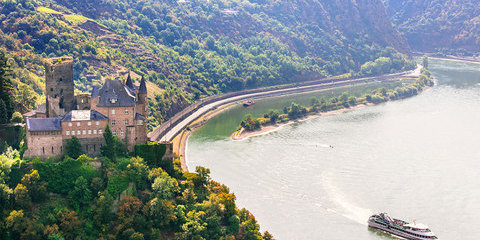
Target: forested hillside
[
  {"x": 192, "y": 49},
  {"x": 447, "y": 26}
]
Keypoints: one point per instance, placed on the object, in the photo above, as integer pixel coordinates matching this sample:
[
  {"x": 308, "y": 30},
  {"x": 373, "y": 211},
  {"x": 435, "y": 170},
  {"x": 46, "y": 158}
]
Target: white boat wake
[{"x": 343, "y": 206}]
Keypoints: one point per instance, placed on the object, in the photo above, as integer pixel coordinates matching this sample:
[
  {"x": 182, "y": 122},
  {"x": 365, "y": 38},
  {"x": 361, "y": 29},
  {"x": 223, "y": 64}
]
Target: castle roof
[
  {"x": 139, "y": 117},
  {"x": 44, "y": 124},
  {"x": 129, "y": 82},
  {"x": 143, "y": 86},
  {"x": 115, "y": 94},
  {"x": 83, "y": 115}
]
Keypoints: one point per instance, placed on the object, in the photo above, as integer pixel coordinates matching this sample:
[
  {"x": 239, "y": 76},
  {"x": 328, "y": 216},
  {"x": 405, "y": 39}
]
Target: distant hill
[
  {"x": 189, "y": 49},
  {"x": 438, "y": 25}
]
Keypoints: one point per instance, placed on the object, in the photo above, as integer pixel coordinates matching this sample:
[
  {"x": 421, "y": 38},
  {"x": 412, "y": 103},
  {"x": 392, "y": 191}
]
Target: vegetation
[
  {"x": 123, "y": 197},
  {"x": 345, "y": 100},
  {"x": 73, "y": 148},
  {"x": 191, "y": 49},
  {"x": 446, "y": 26}
]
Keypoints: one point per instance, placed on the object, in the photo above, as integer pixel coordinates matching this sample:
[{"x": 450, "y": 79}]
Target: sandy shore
[{"x": 242, "y": 134}]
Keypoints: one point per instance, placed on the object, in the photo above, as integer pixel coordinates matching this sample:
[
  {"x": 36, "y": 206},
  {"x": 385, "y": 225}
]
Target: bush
[{"x": 16, "y": 118}]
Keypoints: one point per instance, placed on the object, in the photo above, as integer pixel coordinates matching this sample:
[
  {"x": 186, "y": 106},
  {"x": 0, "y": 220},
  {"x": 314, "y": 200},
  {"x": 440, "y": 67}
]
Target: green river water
[{"x": 417, "y": 158}]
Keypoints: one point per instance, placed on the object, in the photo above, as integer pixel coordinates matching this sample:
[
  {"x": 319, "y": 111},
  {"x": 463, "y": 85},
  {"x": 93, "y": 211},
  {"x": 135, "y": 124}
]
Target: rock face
[{"x": 432, "y": 25}]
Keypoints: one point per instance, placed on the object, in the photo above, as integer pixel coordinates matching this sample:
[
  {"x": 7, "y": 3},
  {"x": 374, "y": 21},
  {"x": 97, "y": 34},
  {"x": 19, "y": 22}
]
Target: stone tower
[{"x": 59, "y": 86}]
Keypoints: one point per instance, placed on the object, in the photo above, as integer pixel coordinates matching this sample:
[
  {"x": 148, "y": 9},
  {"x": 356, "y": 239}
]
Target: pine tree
[
  {"x": 108, "y": 150},
  {"x": 6, "y": 87},
  {"x": 3, "y": 112},
  {"x": 73, "y": 148}
]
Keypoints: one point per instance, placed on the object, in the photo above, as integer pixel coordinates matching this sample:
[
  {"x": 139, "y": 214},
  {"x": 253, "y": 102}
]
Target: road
[{"x": 168, "y": 130}]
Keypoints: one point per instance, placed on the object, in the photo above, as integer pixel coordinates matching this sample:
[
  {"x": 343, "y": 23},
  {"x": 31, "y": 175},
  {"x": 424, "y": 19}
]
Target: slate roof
[
  {"x": 44, "y": 124},
  {"x": 83, "y": 115},
  {"x": 95, "y": 90},
  {"x": 115, "y": 94},
  {"x": 139, "y": 117},
  {"x": 143, "y": 86}
]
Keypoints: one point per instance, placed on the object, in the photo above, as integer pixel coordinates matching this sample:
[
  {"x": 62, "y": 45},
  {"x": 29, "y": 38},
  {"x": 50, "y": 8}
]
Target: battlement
[{"x": 58, "y": 61}]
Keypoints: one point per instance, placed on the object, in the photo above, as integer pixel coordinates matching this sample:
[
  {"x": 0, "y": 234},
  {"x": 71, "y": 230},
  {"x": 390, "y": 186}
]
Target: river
[{"x": 417, "y": 158}]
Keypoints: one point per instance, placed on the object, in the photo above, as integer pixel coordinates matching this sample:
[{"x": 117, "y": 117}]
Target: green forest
[
  {"x": 189, "y": 50},
  {"x": 116, "y": 196}
]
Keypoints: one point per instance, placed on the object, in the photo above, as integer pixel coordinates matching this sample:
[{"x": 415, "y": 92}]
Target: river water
[{"x": 417, "y": 158}]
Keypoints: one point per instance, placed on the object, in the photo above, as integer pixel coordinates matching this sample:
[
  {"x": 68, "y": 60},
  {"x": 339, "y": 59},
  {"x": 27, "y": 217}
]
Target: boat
[
  {"x": 400, "y": 228},
  {"x": 249, "y": 103}
]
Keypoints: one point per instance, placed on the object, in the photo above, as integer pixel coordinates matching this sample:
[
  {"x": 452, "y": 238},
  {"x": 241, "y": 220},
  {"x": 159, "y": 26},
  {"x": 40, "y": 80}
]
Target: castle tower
[
  {"x": 142, "y": 114},
  {"x": 59, "y": 86}
]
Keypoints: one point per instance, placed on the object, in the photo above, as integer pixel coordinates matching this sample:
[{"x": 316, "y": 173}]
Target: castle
[{"x": 123, "y": 106}]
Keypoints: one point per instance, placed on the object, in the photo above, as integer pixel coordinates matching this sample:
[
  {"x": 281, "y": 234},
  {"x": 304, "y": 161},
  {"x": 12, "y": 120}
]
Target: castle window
[
  {"x": 60, "y": 79},
  {"x": 139, "y": 122},
  {"x": 126, "y": 121},
  {"x": 113, "y": 100},
  {"x": 78, "y": 132},
  {"x": 84, "y": 132},
  {"x": 94, "y": 131},
  {"x": 52, "y": 149},
  {"x": 89, "y": 131},
  {"x": 51, "y": 90},
  {"x": 113, "y": 111},
  {"x": 114, "y": 133},
  {"x": 97, "y": 123},
  {"x": 69, "y": 124},
  {"x": 94, "y": 148},
  {"x": 78, "y": 124},
  {"x": 43, "y": 150},
  {"x": 73, "y": 133},
  {"x": 126, "y": 111},
  {"x": 68, "y": 133},
  {"x": 89, "y": 123},
  {"x": 100, "y": 131},
  {"x": 121, "y": 133},
  {"x": 113, "y": 122}
]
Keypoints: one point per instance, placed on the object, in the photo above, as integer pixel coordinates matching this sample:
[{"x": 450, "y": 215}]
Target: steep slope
[
  {"x": 193, "y": 49},
  {"x": 438, "y": 25}
]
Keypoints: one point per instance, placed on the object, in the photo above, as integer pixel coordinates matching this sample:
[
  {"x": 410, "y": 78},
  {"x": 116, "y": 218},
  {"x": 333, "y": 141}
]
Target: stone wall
[
  {"x": 43, "y": 144},
  {"x": 59, "y": 83},
  {"x": 84, "y": 129}
]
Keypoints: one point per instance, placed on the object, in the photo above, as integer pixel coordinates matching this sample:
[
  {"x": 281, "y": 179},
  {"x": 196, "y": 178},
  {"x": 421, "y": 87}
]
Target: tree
[
  {"x": 22, "y": 198},
  {"x": 425, "y": 61},
  {"x": 36, "y": 188},
  {"x": 73, "y": 148},
  {"x": 17, "y": 117},
  {"x": 81, "y": 194},
  {"x": 6, "y": 89},
  {"x": 108, "y": 150},
  {"x": 3, "y": 112}
]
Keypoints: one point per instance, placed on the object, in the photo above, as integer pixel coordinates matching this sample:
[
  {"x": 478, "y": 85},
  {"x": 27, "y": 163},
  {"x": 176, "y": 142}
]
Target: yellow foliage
[{"x": 47, "y": 10}]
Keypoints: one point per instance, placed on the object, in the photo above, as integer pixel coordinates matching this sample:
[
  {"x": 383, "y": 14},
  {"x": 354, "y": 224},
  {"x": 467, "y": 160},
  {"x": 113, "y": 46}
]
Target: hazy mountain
[{"x": 431, "y": 25}]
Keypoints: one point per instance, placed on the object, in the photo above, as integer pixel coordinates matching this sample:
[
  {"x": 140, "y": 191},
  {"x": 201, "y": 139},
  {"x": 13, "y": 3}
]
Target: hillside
[
  {"x": 438, "y": 25},
  {"x": 193, "y": 49}
]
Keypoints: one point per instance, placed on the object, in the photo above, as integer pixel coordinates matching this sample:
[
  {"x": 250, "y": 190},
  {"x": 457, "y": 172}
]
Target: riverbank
[
  {"x": 242, "y": 134},
  {"x": 181, "y": 139},
  {"x": 296, "y": 113}
]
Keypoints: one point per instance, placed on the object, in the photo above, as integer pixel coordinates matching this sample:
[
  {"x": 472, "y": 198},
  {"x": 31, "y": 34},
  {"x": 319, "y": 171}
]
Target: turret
[{"x": 129, "y": 82}]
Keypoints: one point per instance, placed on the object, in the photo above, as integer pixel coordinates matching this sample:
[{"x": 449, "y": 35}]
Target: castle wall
[
  {"x": 43, "y": 144},
  {"x": 117, "y": 117},
  {"x": 83, "y": 101}
]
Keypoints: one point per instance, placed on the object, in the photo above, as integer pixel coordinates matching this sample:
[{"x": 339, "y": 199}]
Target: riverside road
[{"x": 169, "y": 129}]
